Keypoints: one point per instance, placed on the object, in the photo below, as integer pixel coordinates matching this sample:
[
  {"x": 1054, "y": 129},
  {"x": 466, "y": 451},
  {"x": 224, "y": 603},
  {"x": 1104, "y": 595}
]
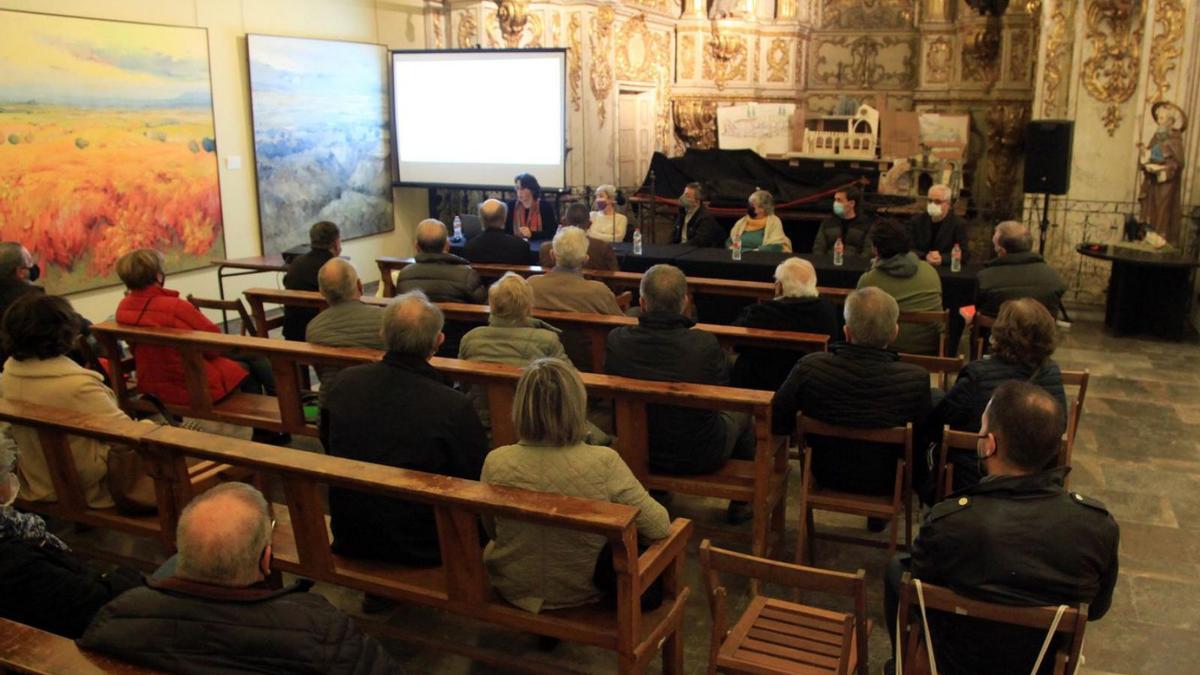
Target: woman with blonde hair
[
  {"x": 536, "y": 567},
  {"x": 607, "y": 224},
  {"x": 760, "y": 229}
]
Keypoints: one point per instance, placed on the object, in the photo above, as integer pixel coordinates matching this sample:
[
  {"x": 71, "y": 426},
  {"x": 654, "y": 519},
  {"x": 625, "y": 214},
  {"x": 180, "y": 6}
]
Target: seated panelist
[
  {"x": 528, "y": 216},
  {"x": 760, "y": 229}
]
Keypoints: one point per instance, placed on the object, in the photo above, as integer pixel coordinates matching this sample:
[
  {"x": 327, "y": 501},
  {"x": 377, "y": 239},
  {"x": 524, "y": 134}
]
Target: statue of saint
[{"x": 1161, "y": 164}]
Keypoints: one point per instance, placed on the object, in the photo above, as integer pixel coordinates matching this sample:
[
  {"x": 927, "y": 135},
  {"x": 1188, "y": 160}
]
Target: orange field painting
[{"x": 106, "y": 145}]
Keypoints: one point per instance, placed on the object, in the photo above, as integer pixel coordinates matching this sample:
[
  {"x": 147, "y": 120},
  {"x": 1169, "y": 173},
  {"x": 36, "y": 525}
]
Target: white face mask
[
  {"x": 934, "y": 210},
  {"x": 14, "y": 486}
]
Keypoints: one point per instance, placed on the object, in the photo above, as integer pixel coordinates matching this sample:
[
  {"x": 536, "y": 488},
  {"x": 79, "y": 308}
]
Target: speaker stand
[{"x": 1045, "y": 224}]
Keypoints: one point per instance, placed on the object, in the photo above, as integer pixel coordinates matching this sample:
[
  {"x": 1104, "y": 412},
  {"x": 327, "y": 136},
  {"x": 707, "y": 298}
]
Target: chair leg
[
  {"x": 805, "y": 521},
  {"x": 672, "y": 653},
  {"x": 778, "y": 527}
]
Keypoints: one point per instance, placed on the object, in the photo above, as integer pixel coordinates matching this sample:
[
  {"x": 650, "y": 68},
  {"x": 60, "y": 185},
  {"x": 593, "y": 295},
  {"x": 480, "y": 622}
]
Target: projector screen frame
[{"x": 397, "y": 179}]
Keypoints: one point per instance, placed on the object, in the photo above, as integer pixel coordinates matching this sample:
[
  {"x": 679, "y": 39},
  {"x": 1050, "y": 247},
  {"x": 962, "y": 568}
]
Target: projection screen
[{"x": 476, "y": 118}]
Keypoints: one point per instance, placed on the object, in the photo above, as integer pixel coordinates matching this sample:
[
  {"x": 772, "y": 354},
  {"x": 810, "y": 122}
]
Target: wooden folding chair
[
  {"x": 813, "y": 497},
  {"x": 778, "y": 636},
  {"x": 1074, "y": 378},
  {"x": 917, "y": 646},
  {"x": 941, "y": 318},
  {"x": 968, "y": 440},
  {"x": 981, "y": 327},
  {"x": 234, "y": 305}
]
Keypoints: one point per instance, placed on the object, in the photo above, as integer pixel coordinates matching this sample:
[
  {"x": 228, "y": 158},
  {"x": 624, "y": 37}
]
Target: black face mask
[
  {"x": 35, "y": 271},
  {"x": 750, "y": 211}
]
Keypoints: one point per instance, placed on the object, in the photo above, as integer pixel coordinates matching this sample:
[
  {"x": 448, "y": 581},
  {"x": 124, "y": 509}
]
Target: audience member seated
[
  {"x": 1017, "y": 272},
  {"x": 694, "y": 225},
  {"x": 39, "y": 330},
  {"x": 494, "y": 245},
  {"x": 914, "y": 284},
  {"x": 797, "y": 307},
  {"x": 325, "y": 242},
  {"x": 216, "y": 612},
  {"x": 439, "y": 274},
  {"x": 41, "y": 583},
  {"x": 600, "y": 255},
  {"x": 607, "y": 224},
  {"x": 861, "y": 384},
  {"x": 1023, "y": 340},
  {"x": 1015, "y": 538},
  {"x": 935, "y": 232},
  {"x": 564, "y": 289},
  {"x": 664, "y": 347},
  {"x": 149, "y": 304},
  {"x": 399, "y": 412},
  {"x": 760, "y": 229},
  {"x": 512, "y": 335},
  {"x": 848, "y": 223},
  {"x": 529, "y": 216},
  {"x": 348, "y": 322},
  {"x": 536, "y": 567},
  {"x": 18, "y": 271}
]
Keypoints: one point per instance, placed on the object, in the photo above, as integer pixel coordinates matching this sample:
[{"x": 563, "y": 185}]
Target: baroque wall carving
[
  {"x": 778, "y": 60},
  {"x": 601, "y": 72},
  {"x": 866, "y": 14},
  {"x": 1019, "y": 60},
  {"x": 696, "y": 122},
  {"x": 1005, "y": 137},
  {"x": 864, "y": 61},
  {"x": 575, "y": 60},
  {"x": 725, "y": 58},
  {"x": 981, "y": 54},
  {"x": 1110, "y": 74},
  {"x": 687, "y": 56},
  {"x": 938, "y": 60},
  {"x": 640, "y": 52},
  {"x": 1057, "y": 51},
  {"x": 439, "y": 32},
  {"x": 468, "y": 29},
  {"x": 1166, "y": 47}
]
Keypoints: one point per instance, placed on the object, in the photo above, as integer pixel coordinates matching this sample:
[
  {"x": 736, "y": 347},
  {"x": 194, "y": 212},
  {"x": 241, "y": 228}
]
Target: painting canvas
[
  {"x": 322, "y": 148},
  {"x": 108, "y": 145}
]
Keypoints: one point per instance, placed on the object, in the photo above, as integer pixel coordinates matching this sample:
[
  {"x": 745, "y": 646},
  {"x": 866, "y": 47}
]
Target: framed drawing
[
  {"x": 322, "y": 147},
  {"x": 108, "y": 145}
]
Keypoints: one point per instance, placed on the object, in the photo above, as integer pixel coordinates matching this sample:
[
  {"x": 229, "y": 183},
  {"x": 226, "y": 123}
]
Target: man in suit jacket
[
  {"x": 600, "y": 255},
  {"x": 694, "y": 225},
  {"x": 494, "y": 245},
  {"x": 935, "y": 232},
  {"x": 326, "y": 243}
]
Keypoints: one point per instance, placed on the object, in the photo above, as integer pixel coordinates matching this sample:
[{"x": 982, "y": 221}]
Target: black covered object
[{"x": 729, "y": 176}]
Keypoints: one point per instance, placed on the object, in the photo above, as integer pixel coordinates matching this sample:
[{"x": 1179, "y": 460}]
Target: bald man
[
  {"x": 1017, "y": 272},
  {"x": 437, "y": 273},
  {"x": 797, "y": 306},
  {"x": 214, "y": 613},
  {"x": 348, "y": 322},
  {"x": 495, "y": 245}
]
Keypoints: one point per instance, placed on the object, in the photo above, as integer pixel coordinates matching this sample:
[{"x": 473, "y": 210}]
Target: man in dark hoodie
[
  {"x": 913, "y": 282},
  {"x": 797, "y": 307},
  {"x": 1017, "y": 272}
]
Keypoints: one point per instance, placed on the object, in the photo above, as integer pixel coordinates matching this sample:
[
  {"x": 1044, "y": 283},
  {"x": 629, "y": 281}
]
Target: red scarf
[{"x": 531, "y": 218}]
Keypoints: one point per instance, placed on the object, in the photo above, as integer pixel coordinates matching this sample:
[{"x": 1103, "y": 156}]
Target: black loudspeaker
[{"x": 1048, "y": 156}]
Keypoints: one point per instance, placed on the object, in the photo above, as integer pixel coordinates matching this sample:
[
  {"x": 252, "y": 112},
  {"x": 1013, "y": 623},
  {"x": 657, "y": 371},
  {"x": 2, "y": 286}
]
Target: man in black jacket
[
  {"x": 494, "y": 245},
  {"x": 935, "y": 232},
  {"x": 664, "y": 347},
  {"x": 860, "y": 384},
  {"x": 325, "y": 242},
  {"x": 797, "y": 306},
  {"x": 399, "y": 412},
  {"x": 849, "y": 223},
  {"x": 215, "y": 614},
  {"x": 1017, "y": 538},
  {"x": 1017, "y": 272},
  {"x": 694, "y": 225}
]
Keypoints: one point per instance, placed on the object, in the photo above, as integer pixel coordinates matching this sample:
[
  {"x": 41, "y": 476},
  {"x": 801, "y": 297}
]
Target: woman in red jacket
[{"x": 160, "y": 370}]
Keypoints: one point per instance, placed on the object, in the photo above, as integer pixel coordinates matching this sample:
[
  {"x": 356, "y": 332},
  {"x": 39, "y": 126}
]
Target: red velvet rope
[{"x": 728, "y": 211}]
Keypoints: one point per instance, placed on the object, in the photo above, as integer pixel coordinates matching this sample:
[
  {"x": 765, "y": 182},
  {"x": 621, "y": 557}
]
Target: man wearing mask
[
  {"x": 935, "y": 232},
  {"x": 694, "y": 225},
  {"x": 847, "y": 223},
  {"x": 18, "y": 271}
]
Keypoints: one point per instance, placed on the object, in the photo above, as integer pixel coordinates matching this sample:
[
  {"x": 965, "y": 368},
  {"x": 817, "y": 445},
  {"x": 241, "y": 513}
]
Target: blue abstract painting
[{"x": 322, "y": 149}]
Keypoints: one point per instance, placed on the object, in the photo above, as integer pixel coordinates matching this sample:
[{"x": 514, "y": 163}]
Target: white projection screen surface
[{"x": 507, "y": 116}]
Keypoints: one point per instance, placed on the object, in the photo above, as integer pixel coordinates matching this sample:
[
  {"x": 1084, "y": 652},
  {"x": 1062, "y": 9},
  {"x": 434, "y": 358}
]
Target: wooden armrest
[
  {"x": 624, "y": 300},
  {"x": 654, "y": 560}
]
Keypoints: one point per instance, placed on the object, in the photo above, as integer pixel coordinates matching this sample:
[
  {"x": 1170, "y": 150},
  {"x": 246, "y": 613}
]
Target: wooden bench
[
  {"x": 616, "y": 280},
  {"x": 25, "y": 649},
  {"x": 761, "y": 482},
  {"x": 595, "y": 326},
  {"x": 301, "y": 539}
]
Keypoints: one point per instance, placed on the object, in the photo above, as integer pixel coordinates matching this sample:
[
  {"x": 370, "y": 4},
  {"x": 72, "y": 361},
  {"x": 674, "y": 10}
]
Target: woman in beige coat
[
  {"x": 536, "y": 567},
  {"x": 38, "y": 331}
]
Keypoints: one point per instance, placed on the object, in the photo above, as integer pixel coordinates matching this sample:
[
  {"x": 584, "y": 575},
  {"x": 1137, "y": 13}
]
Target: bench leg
[
  {"x": 672, "y": 653},
  {"x": 778, "y": 525}
]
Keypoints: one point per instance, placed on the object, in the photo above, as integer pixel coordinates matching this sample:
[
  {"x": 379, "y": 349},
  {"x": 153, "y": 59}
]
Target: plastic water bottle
[
  {"x": 637, "y": 241},
  {"x": 736, "y": 247},
  {"x": 839, "y": 252},
  {"x": 956, "y": 259},
  {"x": 458, "y": 236}
]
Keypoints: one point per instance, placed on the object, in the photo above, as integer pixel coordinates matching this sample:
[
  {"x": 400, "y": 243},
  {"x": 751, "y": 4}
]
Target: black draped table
[{"x": 1148, "y": 292}]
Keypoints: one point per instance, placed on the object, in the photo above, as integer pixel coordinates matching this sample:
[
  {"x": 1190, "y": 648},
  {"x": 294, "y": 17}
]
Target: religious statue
[{"x": 1161, "y": 164}]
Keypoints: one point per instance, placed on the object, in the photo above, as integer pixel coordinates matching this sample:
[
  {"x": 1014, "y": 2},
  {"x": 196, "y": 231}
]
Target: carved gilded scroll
[
  {"x": 938, "y": 60},
  {"x": 467, "y": 30},
  {"x": 575, "y": 60},
  {"x": 687, "y": 56},
  {"x": 640, "y": 52},
  {"x": 868, "y": 14},
  {"x": 1006, "y": 127},
  {"x": 601, "y": 71},
  {"x": 1110, "y": 74},
  {"x": 778, "y": 60},
  {"x": 864, "y": 61},
  {"x": 1166, "y": 46},
  {"x": 696, "y": 122},
  {"x": 1056, "y": 49}
]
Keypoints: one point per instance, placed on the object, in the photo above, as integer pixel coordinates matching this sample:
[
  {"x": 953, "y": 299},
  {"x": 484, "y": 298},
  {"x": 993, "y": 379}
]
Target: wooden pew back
[{"x": 25, "y": 649}]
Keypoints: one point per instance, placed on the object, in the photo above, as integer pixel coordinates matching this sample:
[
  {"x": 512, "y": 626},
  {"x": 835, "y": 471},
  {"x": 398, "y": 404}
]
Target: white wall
[{"x": 395, "y": 23}]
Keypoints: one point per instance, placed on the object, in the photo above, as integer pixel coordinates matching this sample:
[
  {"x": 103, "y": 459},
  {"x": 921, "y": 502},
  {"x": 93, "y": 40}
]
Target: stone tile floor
[{"x": 1138, "y": 450}]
